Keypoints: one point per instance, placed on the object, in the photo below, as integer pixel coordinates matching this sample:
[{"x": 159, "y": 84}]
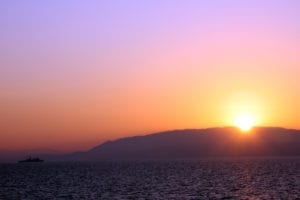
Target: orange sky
[{"x": 72, "y": 77}]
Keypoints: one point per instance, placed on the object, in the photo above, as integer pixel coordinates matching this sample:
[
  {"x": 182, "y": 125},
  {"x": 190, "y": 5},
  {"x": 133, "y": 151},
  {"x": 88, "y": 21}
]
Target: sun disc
[{"x": 245, "y": 122}]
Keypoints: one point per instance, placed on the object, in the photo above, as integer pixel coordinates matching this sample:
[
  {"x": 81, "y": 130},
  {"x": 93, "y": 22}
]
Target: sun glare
[{"x": 245, "y": 122}]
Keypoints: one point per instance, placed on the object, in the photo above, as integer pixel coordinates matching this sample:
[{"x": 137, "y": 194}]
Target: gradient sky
[{"x": 76, "y": 73}]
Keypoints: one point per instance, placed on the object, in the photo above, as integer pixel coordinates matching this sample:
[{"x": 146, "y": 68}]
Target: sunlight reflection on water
[{"x": 205, "y": 179}]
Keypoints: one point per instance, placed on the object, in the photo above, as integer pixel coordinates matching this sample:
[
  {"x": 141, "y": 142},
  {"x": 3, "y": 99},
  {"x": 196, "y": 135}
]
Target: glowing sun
[{"x": 244, "y": 121}]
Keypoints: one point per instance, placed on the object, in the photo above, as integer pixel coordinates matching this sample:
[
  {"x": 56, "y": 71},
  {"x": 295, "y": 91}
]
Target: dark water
[{"x": 206, "y": 179}]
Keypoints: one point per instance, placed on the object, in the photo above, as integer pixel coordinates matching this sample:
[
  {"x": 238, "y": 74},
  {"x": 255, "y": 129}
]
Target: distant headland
[
  {"x": 194, "y": 144},
  {"x": 198, "y": 143}
]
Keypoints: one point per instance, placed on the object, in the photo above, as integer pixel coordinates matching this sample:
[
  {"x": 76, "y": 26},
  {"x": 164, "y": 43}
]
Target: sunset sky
[{"x": 76, "y": 73}]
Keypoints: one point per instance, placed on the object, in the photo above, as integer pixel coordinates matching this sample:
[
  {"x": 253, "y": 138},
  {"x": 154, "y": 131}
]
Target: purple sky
[{"x": 73, "y": 73}]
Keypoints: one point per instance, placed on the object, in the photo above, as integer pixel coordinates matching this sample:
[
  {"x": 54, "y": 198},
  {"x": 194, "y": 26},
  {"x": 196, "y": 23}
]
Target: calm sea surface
[{"x": 206, "y": 179}]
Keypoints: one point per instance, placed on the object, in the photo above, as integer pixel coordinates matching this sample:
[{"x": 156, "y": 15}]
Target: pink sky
[{"x": 76, "y": 73}]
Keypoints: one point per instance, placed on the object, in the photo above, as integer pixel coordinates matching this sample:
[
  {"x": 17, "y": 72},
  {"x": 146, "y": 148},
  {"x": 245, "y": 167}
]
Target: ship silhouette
[{"x": 31, "y": 160}]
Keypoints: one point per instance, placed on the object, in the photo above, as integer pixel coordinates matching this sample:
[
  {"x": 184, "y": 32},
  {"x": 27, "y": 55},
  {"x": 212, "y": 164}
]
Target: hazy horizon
[
  {"x": 50, "y": 151},
  {"x": 74, "y": 74}
]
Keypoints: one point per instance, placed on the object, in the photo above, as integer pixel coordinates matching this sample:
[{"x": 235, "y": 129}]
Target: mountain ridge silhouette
[
  {"x": 189, "y": 144},
  {"x": 197, "y": 143}
]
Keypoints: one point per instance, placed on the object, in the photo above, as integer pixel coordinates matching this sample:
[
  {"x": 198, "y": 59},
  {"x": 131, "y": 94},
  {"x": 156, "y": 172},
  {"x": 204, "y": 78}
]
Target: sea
[{"x": 214, "y": 178}]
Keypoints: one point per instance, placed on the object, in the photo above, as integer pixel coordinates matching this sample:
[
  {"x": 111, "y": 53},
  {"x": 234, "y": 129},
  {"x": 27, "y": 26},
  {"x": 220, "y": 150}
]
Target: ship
[{"x": 31, "y": 160}]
